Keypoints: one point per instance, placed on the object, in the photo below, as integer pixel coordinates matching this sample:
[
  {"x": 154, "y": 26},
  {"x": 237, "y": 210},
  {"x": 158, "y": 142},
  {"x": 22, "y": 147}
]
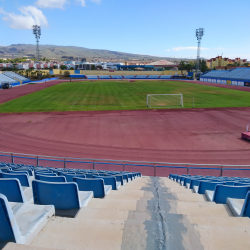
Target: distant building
[
  {"x": 223, "y": 62},
  {"x": 163, "y": 64}
]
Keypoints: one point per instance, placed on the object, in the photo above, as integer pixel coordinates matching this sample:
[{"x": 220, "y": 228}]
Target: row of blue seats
[
  {"x": 53, "y": 191},
  {"x": 56, "y": 181},
  {"x": 233, "y": 191}
]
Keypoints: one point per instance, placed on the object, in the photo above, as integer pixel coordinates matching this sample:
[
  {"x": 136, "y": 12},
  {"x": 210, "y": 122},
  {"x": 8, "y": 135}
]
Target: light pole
[
  {"x": 199, "y": 35},
  {"x": 37, "y": 32}
]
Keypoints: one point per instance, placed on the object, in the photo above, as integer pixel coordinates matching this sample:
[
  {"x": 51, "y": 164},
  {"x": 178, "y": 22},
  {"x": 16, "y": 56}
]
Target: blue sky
[{"x": 159, "y": 27}]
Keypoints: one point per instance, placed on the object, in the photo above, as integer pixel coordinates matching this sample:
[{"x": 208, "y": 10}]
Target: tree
[
  {"x": 71, "y": 68},
  {"x": 99, "y": 67},
  {"x": 55, "y": 67},
  {"x": 189, "y": 67},
  {"x": 204, "y": 67},
  {"x": 66, "y": 74},
  {"x": 181, "y": 66},
  {"x": 83, "y": 60},
  {"x": 92, "y": 67},
  {"x": 246, "y": 64},
  {"x": 63, "y": 67}
]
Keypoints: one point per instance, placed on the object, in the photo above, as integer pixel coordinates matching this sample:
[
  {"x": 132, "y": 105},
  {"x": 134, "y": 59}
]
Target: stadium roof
[{"x": 162, "y": 63}]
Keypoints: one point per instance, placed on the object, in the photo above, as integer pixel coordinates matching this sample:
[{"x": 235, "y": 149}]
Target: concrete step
[
  {"x": 114, "y": 214},
  {"x": 168, "y": 206},
  {"x": 14, "y": 246},
  {"x": 146, "y": 195},
  {"x": 174, "y": 232}
]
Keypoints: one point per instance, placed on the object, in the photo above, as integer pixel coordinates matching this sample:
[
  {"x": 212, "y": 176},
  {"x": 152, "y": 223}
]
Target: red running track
[{"x": 190, "y": 136}]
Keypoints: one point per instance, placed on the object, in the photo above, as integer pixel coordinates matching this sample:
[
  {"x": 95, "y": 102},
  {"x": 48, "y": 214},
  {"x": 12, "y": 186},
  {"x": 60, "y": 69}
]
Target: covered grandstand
[{"x": 238, "y": 77}]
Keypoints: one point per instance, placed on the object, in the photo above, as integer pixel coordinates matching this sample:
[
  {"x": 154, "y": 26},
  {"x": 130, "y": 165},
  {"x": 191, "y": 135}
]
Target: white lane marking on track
[
  {"x": 75, "y": 102},
  {"x": 122, "y": 104}
]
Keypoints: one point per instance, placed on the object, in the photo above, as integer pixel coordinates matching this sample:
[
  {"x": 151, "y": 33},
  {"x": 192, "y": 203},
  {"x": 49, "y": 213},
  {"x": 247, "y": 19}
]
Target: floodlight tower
[
  {"x": 199, "y": 35},
  {"x": 37, "y": 32}
]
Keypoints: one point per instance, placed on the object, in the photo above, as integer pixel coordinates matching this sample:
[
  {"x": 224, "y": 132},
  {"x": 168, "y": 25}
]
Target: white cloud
[
  {"x": 168, "y": 50},
  {"x": 82, "y": 2},
  {"x": 59, "y": 4},
  {"x": 96, "y": 1},
  {"x": 187, "y": 48},
  {"x": 29, "y": 16}
]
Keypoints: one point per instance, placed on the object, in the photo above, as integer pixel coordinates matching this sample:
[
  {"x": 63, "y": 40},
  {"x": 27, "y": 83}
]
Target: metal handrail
[{"x": 124, "y": 163}]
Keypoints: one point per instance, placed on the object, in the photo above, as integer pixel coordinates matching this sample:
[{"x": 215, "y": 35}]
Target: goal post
[{"x": 164, "y": 100}]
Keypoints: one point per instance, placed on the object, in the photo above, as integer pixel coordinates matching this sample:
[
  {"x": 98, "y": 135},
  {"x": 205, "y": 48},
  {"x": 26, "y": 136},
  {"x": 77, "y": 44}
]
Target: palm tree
[{"x": 181, "y": 66}]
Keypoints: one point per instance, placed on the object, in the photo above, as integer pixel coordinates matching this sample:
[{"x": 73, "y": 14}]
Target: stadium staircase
[{"x": 144, "y": 213}]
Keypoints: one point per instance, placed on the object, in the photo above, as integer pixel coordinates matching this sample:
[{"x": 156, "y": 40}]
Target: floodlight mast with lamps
[
  {"x": 199, "y": 35},
  {"x": 37, "y": 32}
]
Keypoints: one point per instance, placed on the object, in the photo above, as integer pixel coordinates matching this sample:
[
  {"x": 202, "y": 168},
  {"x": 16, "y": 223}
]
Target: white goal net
[{"x": 164, "y": 101}]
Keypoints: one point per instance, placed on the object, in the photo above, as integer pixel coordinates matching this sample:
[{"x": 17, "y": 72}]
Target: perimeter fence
[{"x": 160, "y": 169}]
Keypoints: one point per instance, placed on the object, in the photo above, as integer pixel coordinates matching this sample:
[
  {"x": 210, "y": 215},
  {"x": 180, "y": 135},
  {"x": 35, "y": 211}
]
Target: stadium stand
[
  {"x": 4, "y": 78},
  {"x": 129, "y": 76},
  {"x": 216, "y": 73},
  {"x": 92, "y": 77},
  {"x": 116, "y": 77},
  {"x": 104, "y": 77},
  {"x": 146, "y": 213},
  {"x": 238, "y": 76},
  {"x": 165, "y": 77},
  {"x": 16, "y": 76},
  {"x": 141, "y": 77},
  {"x": 153, "y": 76}
]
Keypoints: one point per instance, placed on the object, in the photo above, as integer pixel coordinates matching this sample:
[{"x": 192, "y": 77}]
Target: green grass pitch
[{"x": 122, "y": 95}]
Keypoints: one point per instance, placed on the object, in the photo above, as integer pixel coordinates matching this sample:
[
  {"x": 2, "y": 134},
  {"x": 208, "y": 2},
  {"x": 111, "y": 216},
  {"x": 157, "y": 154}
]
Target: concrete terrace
[{"x": 147, "y": 213}]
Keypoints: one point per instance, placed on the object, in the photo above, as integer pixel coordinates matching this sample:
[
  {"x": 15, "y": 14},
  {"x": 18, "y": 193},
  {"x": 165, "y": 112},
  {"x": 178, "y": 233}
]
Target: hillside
[{"x": 70, "y": 52}]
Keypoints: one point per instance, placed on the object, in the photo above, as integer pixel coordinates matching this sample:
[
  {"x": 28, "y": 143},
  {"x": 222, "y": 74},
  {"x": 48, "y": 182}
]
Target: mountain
[{"x": 72, "y": 52}]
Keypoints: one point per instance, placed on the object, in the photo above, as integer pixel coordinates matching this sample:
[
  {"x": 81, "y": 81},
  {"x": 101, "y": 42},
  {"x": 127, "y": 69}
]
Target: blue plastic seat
[
  {"x": 26, "y": 171},
  {"x": 110, "y": 180},
  {"x": 50, "y": 178},
  {"x": 44, "y": 173},
  {"x": 96, "y": 185},
  {"x": 69, "y": 177},
  {"x": 64, "y": 196},
  {"x": 125, "y": 177},
  {"x": 239, "y": 184},
  {"x": 23, "y": 178},
  {"x": 222, "y": 192},
  {"x": 27, "y": 228},
  {"x": 90, "y": 175},
  {"x": 206, "y": 185},
  {"x": 12, "y": 189},
  {"x": 119, "y": 178}
]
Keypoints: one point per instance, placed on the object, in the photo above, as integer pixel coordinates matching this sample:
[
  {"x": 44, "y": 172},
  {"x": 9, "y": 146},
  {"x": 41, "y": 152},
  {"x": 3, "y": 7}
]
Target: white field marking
[
  {"x": 75, "y": 102},
  {"x": 122, "y": 104}
]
